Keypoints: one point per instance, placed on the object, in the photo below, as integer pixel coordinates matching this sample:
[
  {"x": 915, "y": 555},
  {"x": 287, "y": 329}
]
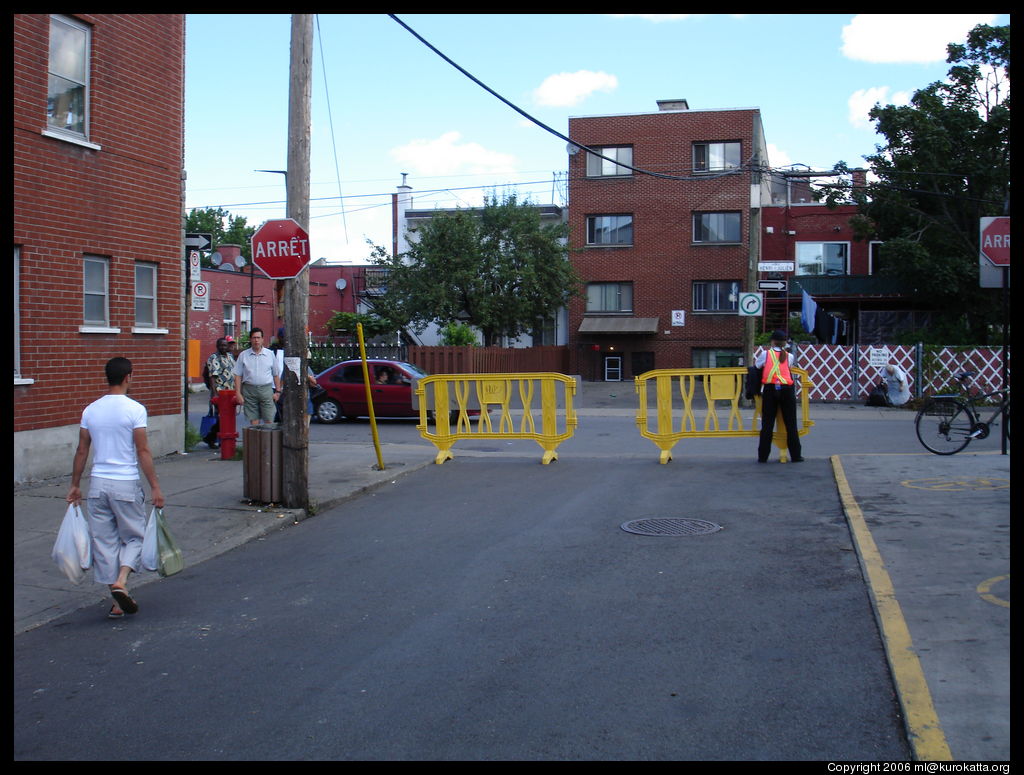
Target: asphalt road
[{"x": 494, "y": 609}]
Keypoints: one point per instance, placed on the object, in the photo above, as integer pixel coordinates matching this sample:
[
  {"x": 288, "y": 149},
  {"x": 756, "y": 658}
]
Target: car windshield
[{"x": 416, "y": 371}]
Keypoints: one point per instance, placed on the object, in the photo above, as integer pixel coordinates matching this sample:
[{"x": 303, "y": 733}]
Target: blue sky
[{"x": 384, "y": 104}]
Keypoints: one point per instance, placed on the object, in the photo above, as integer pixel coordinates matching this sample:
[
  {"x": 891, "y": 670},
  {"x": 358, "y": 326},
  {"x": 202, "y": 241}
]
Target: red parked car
[{"x": 391, "y": 384}]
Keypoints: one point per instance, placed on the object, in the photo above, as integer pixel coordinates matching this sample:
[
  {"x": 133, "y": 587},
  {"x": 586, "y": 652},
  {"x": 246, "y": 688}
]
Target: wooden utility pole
[{"x": 295, "y": 438}]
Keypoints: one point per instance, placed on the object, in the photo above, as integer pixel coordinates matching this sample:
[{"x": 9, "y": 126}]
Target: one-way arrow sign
[
  {"x": 771, "y": 285},
  {"x": 198, "y": 241}
]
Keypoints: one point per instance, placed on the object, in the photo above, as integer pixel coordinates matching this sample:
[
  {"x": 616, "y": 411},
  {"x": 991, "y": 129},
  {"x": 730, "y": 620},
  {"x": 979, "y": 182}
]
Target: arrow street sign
[
  {"x": 771, "y": 285},
  {"x": 198, "y": 241}
]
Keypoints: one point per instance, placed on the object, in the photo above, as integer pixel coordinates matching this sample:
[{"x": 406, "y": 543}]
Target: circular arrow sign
[
  {"x": 280, "y": 249},
  {"x": 751, "y": 304}
]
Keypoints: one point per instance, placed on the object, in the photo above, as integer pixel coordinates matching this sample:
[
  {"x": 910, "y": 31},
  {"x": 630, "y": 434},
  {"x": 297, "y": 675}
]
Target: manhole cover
[{"x": 670, "y": 527}]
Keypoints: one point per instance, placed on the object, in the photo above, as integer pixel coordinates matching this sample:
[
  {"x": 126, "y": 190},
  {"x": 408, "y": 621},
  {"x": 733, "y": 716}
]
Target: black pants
[{"x": 772, "y": 400}]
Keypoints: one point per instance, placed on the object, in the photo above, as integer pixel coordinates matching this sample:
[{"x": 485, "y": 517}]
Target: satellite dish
[
  {"x": 341, "y": 284},
  {"x": 572, "y": 149},
  {"x": 216, "y": 258},
  {"x": 239, "y": 261}
]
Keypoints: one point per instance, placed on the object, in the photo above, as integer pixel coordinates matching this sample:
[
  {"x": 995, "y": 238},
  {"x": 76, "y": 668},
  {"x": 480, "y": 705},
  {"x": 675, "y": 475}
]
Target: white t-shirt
[
  {"x": 111, "y": 421},
  {"x": 899, "y": 390}
]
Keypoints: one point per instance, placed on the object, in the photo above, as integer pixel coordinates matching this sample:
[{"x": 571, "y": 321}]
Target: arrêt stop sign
[
  {"x": 280, "y": 248},
  {"x": 995, "y": 240}
]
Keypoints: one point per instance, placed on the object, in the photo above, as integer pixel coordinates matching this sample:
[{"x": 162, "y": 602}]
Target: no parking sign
[{"x": 200, "y": 296}]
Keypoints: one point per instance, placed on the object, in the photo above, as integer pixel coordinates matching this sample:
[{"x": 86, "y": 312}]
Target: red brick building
[
  {"x": 856, "y": 304},
  {"x": 98, "y": 242},
  {"x": 677, "y": 215},
  {"x": 661, "y": 229},
  {"x": 332, "y": 288}
]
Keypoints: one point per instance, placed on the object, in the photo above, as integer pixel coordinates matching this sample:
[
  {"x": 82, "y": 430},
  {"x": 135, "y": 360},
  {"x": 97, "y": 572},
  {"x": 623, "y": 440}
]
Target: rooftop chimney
[{"x": 673, "y": 105}]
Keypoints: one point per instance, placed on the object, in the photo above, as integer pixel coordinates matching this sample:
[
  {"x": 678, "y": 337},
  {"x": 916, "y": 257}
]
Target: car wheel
[{"x": 328, "y": 411}]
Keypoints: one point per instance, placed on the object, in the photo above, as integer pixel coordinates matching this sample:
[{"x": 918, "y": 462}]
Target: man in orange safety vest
[{"x": 778, "y": 391}]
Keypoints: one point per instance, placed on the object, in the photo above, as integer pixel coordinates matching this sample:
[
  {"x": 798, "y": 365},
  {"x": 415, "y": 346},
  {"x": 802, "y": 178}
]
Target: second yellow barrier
[
  {"x": 461, "y": 406},
  {"x": 676, "y": 397}
]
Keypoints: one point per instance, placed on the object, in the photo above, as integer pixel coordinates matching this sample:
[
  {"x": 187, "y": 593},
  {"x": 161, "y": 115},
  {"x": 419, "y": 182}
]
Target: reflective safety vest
[{"x": 775, "y": 371}]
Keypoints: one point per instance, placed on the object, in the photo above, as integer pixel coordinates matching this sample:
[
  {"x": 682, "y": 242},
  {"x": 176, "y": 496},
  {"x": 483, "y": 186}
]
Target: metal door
[{"x": 613, "y": 368}]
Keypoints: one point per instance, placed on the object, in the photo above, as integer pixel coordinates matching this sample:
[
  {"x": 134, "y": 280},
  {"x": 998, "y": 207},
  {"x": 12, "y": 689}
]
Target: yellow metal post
[{"x": 369, "y": 397}]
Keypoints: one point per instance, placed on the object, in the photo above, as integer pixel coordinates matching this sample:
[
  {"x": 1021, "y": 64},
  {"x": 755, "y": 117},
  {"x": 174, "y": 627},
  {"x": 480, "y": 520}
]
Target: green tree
[
  {"x": 497, "y": 269},
  {"x": 347, "y": 323},
  {"x": 458, "y": 335},
  {"x": 944, "y": 165},
  {"x": 223, "y": 226}
]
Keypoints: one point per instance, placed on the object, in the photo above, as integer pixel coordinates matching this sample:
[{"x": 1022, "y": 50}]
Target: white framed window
[
  {"x": 716, "y": 296},
  {"x": 245, "y": 318},
  {"x": 822, "y": 258},
  {"x": 610, "y": 297},
  {"x": 229, "y": 319},
  {"x": 714, "y": 157},
  {"x": 716, "y": 227},
  {"x": 876, "y": 257},
  {"x": 145, "y": 295},
  {"x": 96, "y": 291},
  {"x": 609, "y": 229},
  {"x": 67, "y": 99},
  {"x": 610, "y": 165}
]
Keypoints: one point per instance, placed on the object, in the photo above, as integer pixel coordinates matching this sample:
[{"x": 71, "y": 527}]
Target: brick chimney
[{"x": 228, "y": 254}]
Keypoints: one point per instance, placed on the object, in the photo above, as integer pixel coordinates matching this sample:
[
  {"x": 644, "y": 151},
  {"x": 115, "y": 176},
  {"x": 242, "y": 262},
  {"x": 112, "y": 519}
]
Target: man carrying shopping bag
[{"x": 114, "y": 428}]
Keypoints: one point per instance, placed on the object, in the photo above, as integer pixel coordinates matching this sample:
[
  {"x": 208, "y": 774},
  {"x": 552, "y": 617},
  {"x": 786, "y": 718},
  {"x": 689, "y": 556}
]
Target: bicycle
[{"x": 948, "y": 423}]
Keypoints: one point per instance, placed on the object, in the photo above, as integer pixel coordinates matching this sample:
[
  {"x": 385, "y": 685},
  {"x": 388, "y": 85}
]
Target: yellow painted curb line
[
  {"x": 923, "y": 728},
  {"x": 985, "y": 590}
]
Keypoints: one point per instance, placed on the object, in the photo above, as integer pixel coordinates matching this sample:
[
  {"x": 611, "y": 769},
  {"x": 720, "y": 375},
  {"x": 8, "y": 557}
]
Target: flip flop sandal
[
  {"x": 124, "y": 600},
  {"x": 112, "y": 614}
]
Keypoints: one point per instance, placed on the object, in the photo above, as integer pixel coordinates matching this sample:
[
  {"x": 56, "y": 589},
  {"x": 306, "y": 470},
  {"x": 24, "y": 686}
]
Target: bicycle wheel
[{"x": 944, "y": 425}]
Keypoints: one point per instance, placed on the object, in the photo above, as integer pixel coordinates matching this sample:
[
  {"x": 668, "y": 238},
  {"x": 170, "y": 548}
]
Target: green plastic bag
[{"x": 169, "y": 559}]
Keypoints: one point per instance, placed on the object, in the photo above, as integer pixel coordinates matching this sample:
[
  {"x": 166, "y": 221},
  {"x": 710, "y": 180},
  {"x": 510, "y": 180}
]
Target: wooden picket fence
[{"x": 489, "y": 360}]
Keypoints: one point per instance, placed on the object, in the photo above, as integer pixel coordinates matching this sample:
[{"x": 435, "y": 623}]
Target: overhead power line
[{"x": 544, "y": 126}]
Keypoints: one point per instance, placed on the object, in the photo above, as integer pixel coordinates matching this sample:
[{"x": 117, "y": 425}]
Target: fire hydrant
[{"x": 228, "y": 436}]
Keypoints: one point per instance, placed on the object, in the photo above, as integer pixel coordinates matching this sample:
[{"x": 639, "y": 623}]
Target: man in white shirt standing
[
  {"x": 257, "y": 380},
  {"x": 114, "y": 428}
]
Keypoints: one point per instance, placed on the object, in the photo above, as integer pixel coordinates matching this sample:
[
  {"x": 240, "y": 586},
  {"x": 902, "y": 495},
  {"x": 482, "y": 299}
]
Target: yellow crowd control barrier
[
  {"x": 674, "y": 418},
  {"x": 454, "y": 400}
]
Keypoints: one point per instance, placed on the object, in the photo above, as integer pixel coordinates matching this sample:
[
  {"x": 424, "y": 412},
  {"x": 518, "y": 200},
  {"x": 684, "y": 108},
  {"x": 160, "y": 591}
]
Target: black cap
[{"x": 779, "y": 336}]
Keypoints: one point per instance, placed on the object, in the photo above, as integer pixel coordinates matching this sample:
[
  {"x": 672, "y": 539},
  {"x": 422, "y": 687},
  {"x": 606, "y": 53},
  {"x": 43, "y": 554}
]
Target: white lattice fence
[
  {"x": 831, "y": 368},
  {"x": 987, "y": 362},
  {"x": 867, "y": 375}
]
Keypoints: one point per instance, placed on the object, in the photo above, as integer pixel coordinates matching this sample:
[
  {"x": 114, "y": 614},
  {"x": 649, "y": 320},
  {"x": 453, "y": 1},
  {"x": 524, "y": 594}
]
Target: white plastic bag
[
  {"x": 150, "y": 552},
  {"x": 72, "y": 551}
]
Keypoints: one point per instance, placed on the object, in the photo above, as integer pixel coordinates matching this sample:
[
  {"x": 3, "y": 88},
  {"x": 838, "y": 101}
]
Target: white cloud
[
  {"x": 862, "y": 100},
  {"x": 778, "y": 157},
  {"x": 446, "y": 155},
  {"x": 566, "y": 89},
  {"x": 907, "y": 37}
]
